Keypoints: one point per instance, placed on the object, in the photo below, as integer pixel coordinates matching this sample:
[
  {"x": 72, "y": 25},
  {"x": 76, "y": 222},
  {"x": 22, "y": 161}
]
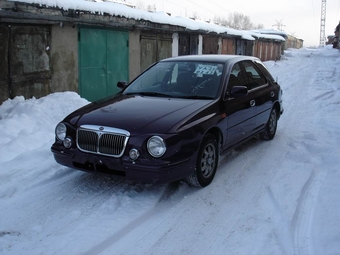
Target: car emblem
[{"x": 101, "y": 128}]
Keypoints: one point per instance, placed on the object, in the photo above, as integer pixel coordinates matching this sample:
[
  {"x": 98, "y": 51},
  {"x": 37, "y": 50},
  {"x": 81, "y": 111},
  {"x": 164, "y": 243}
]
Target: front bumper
[{"x": 124, "y": 168}]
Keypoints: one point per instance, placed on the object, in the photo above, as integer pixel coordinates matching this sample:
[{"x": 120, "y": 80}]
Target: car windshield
[{"x": 192, "y": 80}]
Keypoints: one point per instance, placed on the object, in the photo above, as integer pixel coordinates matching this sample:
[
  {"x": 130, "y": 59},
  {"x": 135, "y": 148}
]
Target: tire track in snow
[
  {"x": 303, "y": 217},
  {"x": 170, "y": 191},
  {"x": 294, "y": 236},
  {"x": 60, "y": 194},
  {"x": 71, "y": 203},
  {"x": 281, "y": 229},
  {"x": 240, "y": 180},
  {"x": 258, "y": 186},
  {"x": 158, "y": 207},
  {"x": 288, "y": 127},
  {"x": 320, "y": 92}
]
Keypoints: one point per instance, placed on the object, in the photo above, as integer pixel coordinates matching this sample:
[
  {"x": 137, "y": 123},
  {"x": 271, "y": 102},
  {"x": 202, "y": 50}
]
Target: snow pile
[
  {"x": 22, "y": 118},
  {"x": 278, "y": 197}
]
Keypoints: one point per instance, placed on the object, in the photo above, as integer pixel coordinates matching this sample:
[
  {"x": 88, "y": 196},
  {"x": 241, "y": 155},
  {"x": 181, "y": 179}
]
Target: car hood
[{"x": 140, "y": 114}]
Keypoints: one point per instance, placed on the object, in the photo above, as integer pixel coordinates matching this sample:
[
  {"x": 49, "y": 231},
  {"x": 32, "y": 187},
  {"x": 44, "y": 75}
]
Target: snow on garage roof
[{"x": 116, "y": 9}]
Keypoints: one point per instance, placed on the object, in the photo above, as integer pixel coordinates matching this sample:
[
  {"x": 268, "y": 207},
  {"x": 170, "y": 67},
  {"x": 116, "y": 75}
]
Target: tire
[
  {"x": 271, "y": 126},
  {"x": 206, "y": 164}
]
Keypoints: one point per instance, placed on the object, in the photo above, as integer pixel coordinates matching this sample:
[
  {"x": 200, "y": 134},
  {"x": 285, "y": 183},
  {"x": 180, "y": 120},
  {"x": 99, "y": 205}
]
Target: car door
[
  {"x": 261, "y": 91},
  {"x": 240, "y": 111}
]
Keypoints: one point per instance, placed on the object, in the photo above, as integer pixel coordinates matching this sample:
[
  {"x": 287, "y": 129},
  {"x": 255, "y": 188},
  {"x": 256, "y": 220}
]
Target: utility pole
[
  {"x": 323, "y": 23},
  {"x": 279, "y": 25}
]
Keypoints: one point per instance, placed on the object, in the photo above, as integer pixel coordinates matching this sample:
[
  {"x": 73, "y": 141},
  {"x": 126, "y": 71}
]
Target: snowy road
[{"x": 276, "y": 197}]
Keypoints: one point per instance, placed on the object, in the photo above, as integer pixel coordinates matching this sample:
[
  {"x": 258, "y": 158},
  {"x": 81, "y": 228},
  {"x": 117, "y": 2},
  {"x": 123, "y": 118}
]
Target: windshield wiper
[
  {"x": 153, "y": 94},
  {"x": 197, "y": 97}
]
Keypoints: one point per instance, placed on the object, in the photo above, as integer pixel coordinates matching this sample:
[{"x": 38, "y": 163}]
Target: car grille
[{"x": 102, "y": 140}]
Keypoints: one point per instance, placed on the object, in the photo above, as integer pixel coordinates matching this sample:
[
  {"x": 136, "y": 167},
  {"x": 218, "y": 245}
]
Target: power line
[
  {"x": 219, "y": 5},
  {"x": 315, "y": 26},
  {"x": 242, "y": 7},
  {"x": 185, "y": 8},
  {"x": 213, "y": 11},
  {"x": 204, "y": 8}
]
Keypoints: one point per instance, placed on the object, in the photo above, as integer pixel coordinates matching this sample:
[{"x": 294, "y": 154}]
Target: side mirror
[
  {"x": 121, "y": 84},
  {"x": 239, "y": 91}
]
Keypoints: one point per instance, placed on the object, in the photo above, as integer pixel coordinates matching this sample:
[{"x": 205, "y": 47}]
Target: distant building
[
  {"x": 330, "y": 39},
  {"x": 293, "y": 42}
]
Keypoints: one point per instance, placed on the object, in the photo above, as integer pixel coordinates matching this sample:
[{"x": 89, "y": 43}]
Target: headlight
[
  {"x": 60, "y": 131},
  {"x": 156, "y": 146}
]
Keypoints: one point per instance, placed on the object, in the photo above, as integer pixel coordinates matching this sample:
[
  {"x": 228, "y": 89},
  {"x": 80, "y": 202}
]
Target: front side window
[
  {"x": 255, "y": 77},
  {"x": 237, "y": 77},
  {"x": 180, "y": 79}
]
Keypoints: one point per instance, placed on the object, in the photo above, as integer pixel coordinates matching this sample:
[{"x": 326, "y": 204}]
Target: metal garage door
[
  {"x": 103, "y": 61},
  {"x": 154, "y": 47},
  {"x": 25, "y": 66},
  {"x": 210, "y": 45},
  {"x": 188, "y": 45}
]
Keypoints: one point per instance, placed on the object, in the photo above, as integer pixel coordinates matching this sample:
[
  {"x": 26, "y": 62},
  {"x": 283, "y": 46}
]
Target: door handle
[{"x": 252, "y": 103}]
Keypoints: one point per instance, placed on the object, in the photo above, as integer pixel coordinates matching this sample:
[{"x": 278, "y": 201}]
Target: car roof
[{"x": 219, "y": 58}]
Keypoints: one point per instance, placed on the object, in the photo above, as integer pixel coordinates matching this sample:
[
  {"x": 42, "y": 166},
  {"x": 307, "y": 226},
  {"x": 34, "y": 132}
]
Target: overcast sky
[{"x": 301, "y": 18}]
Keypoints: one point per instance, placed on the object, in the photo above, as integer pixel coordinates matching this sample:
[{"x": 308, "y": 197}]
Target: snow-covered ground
[{"x": 276, "y": 197}]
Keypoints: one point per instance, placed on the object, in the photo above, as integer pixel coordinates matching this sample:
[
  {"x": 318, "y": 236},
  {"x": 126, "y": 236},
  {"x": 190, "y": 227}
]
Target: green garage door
[{"x": 103, "y": 61}]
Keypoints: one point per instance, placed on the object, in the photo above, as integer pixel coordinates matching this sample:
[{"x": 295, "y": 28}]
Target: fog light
[
  {"x": 134, "y": 154},
  {"x": 67, "y": 142}
]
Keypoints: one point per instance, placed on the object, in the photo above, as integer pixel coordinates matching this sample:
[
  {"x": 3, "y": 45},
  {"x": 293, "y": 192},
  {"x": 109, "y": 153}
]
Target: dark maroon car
[{"x": 173, "y": 121}]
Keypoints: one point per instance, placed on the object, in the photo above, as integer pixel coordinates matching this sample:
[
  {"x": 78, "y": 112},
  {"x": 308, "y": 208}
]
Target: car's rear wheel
[
  {"x": 206, "y": 164},
  {"x": 271, "y": 126}
]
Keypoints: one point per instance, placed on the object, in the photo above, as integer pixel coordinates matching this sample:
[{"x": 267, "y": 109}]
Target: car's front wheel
[
  {"x": 206, "y": 164},
  {"x": 271, "y": 126}
]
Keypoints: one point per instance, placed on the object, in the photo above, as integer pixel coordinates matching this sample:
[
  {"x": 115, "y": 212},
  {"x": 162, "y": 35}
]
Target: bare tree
[
  {"x": 140, "y": 5},
  {"x": 259, "y": 26},
  {"x": 221, "y": 21},
  {"x": 195, "y": 16},
  {"x": 151, "y": 8},
  {"x": 238, "y": 21}
]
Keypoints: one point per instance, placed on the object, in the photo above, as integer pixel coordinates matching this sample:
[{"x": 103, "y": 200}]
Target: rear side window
[{"x": 254, "y": 75}]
